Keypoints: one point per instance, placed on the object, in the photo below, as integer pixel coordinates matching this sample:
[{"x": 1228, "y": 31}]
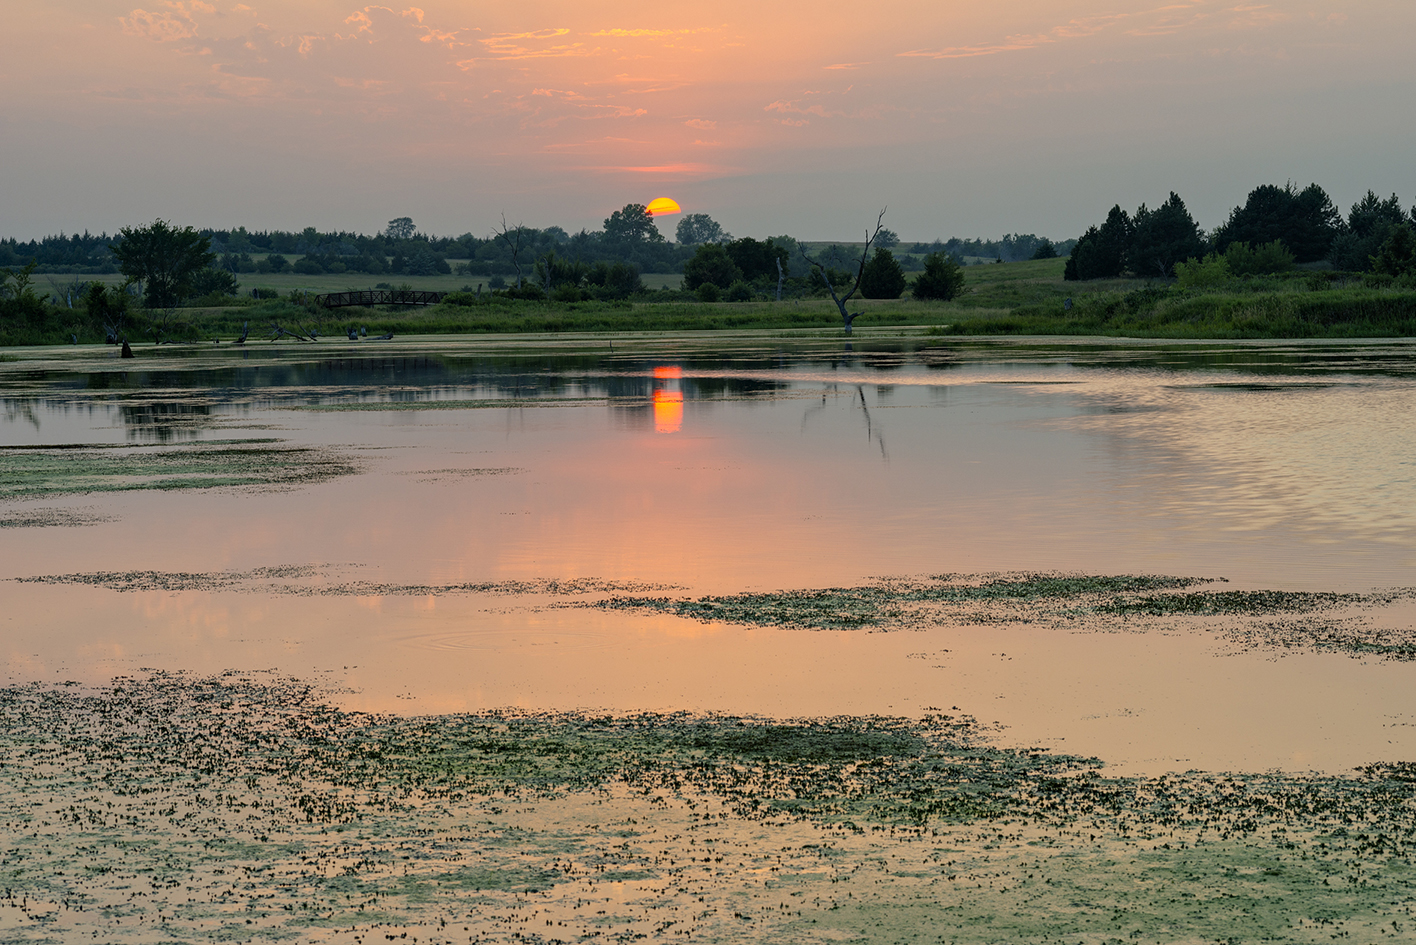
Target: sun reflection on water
[{"x": 668, "y": 399}]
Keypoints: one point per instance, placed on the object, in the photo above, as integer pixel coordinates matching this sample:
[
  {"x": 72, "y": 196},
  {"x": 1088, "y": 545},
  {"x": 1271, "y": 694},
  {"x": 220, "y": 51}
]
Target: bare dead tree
[
  {"x": 515, "y": 238},
  {"x": 847, "y": 317},
  {"x": 781, "y": 276}
]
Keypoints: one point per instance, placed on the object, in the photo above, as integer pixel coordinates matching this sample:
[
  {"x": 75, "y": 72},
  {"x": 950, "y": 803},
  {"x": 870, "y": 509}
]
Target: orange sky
[{"x": 801, "y": 118}]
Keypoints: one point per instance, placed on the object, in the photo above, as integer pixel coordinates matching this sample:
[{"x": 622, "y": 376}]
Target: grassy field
[{"x": 1022, "y": 298}]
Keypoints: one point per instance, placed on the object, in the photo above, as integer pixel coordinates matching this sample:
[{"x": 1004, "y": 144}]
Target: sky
[{"x": 958, "y": 118}]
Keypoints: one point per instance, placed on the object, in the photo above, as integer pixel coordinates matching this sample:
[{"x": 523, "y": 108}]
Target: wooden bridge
[{"x": 369, "y": 297}]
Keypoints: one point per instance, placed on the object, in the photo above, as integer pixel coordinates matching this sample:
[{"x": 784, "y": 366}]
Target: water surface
[{"x": 740, "y": 464}]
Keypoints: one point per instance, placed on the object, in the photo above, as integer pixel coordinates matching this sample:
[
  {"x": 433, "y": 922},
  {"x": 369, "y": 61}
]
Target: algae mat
[
  {"x": 245, "y": 808},
  {"x": 265, "y": 464}
]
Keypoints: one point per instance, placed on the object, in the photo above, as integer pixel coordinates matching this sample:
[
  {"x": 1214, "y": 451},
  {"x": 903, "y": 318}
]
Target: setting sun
[{"x": 661, "y": 206}]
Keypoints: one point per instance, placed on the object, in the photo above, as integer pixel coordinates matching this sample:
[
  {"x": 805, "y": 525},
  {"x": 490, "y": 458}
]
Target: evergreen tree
[
  {"x": 942, "y": 279},
  {"x": 1163, "y": 237},
  {"x": 1305, "y": 221},
  {"x": 882, "y": 277},
  {"x": 1369, "y": 223}
]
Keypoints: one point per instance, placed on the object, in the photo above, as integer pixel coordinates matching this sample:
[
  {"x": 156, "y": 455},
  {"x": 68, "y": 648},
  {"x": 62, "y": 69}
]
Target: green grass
[
  {"x": 1166, "y": 311},
  {"x": 1022, "y": 298}
]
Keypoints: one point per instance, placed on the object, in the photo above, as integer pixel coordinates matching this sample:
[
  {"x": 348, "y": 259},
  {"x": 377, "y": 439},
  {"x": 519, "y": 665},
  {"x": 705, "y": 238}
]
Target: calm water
[{"x": 751, "y": 465}]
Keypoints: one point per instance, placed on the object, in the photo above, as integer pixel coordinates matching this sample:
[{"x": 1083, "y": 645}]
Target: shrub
[
  {"x": 707, "y": 292},
  {"x": 941, "y": 280},
  {"x": 739, "y": 291},
  {"x": 1199, "y": 273},
  {"x": 565, "y": 292},
  {"x": 1397, "y": 257},
  {"x": 1262, "y": 260}
]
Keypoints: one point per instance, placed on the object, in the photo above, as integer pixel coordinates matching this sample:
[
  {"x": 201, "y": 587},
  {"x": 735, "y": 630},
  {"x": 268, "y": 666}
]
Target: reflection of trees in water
[
  {"x": 19, "y": 410},
  {"x": 165, "y": 420}
]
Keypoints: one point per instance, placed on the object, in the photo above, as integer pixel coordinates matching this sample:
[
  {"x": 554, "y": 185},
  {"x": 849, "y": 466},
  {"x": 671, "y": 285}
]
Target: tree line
[
  {"x": 1275, "y": 229},
  {"x": 628, "y": 236}
]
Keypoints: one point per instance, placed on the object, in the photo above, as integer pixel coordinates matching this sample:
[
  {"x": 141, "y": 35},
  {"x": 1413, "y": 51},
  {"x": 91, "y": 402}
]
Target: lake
[{"x": 435, "y": 525}]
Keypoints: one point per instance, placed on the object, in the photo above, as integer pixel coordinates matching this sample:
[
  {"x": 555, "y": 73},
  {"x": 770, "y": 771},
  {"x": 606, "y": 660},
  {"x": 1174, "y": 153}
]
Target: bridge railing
[{"x": 370, "y": 297}]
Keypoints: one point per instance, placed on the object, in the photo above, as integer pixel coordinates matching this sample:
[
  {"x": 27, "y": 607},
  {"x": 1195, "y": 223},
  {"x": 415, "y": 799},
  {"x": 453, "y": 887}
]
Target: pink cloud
[{"x": 165, "y": 27}]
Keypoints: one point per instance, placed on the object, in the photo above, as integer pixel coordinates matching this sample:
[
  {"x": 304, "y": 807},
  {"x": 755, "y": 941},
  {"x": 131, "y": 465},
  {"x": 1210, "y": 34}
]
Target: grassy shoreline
[{"x": 1006, "y": 299}]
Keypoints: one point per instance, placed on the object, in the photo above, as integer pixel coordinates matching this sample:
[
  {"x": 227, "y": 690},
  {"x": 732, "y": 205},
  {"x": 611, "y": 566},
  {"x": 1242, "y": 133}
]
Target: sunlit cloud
[
  {"x": 846, "y": 65},
  {"x": 165, "y": 27},
  {"x": 702, "y": 123},
  {"x": 650, "y": 34},
  {"x": 520, "y": 45}
]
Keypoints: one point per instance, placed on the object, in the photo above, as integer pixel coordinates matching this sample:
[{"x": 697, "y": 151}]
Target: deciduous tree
[
  {"x": 633, "y": 224},
  {"x": 400, "y": 228},
  {"x": 164, "y": 258},
  {"x": 847, "y": 318},
  {"x": 711, "y": 264},
  {"x": 695, "y": 228}
]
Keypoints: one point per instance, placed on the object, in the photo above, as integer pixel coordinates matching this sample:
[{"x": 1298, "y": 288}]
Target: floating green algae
[
  {"x": 247, "y": 807},
  {"x": 886, "y": 604},
  {"x": 53, "y": 518},
  {"x": 1274, "y": 621},
  {"x": 326, "y": 581},
  {"x": 38, "y": 472}
]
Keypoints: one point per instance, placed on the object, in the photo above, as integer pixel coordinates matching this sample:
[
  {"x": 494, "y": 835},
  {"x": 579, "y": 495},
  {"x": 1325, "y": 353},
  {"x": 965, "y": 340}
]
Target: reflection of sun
[
  {"x": 668, "y": 399},
  {"x": 660, "y": 206},
  {"x": 668, "y": 411}
]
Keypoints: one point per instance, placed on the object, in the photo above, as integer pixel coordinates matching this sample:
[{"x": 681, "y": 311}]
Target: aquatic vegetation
[
  {"x": 887, "y": 603},
  {"x": 248, "y": 807},
  {"x": 52, "y": 518},
  {"x": 1134, "y": 603},
  {"x": 325, "y": 580},
  {"x": 37, "y": 472}
]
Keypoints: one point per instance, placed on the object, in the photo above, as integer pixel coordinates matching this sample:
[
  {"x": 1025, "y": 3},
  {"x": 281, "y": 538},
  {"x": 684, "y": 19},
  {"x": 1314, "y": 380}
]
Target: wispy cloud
[
  {"x": 649, "y": 34},
  {"x": 685, "y": 170},
  {"x": 1156, "y": 21},
  {"x": 525, "y": 45},
  {"x": 797, "y": 108},
  {"x": 846, "y": 65}
]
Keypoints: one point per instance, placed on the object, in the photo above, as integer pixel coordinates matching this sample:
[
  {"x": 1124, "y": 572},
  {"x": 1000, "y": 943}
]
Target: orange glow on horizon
[
  {"x": 665, "y": 371},
  {"x": 661, "y": 206}
]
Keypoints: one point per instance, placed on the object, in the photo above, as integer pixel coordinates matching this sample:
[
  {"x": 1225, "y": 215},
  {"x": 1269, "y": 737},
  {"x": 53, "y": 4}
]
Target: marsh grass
[{"x": 247, "y": 807}]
